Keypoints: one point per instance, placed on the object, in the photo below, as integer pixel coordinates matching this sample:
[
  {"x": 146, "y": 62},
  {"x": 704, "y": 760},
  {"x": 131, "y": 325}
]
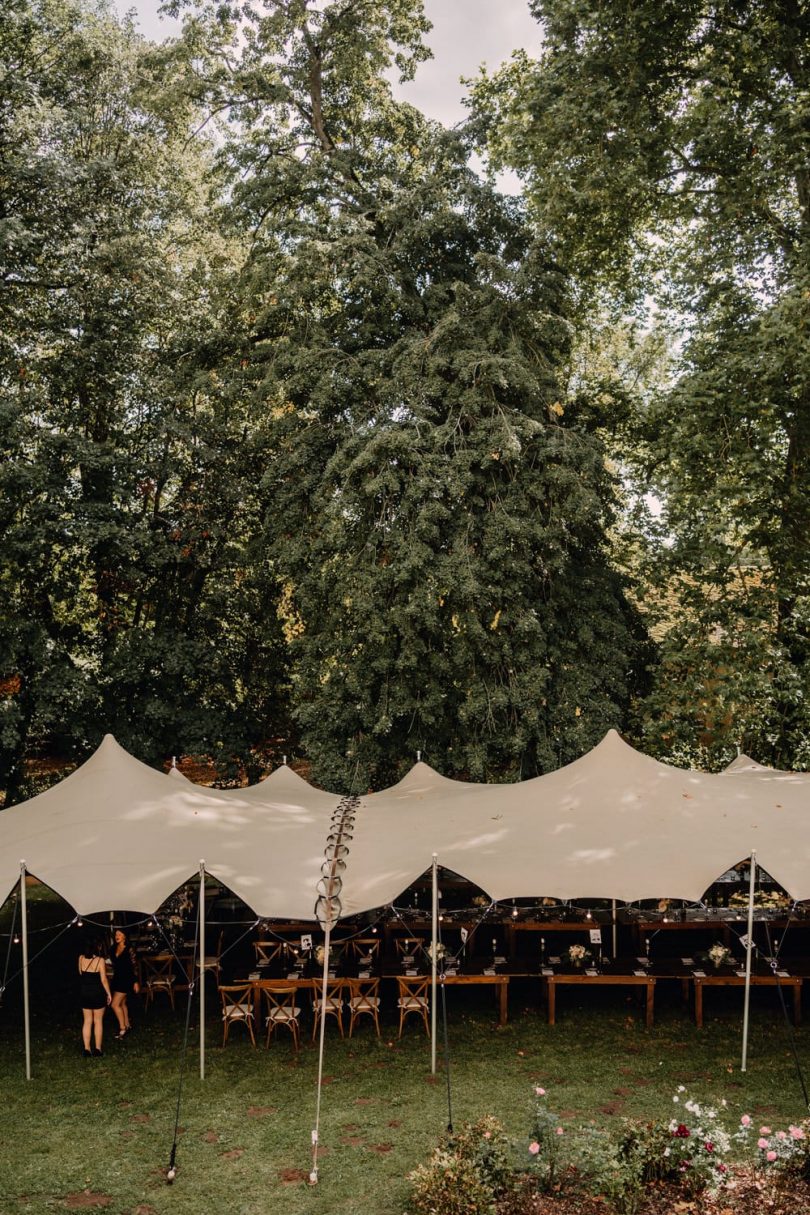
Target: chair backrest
[
  {"x": 414, "y": 989},
  {"x": 158, "y": 967},
  {"x": 363, "y": 989},
  {"x": 407, "y": 945},
  {"x": 279, "y": 998},
  {"x": 268, "y": 951},
  {"x": 236, "y": 999},
  {"x": 365, "y": 947}
]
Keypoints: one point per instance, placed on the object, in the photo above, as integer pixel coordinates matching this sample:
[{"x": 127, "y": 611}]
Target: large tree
[
  {"x": 133, "y": 599},
  {"x": 666, "y": 150},
  {"x": 438, "y": 518}
]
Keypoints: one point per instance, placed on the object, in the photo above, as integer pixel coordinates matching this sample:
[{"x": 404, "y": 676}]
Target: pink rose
[
  {"x": 762, "y": 1143},
  {"x": 534, "y": 1148},
  {"x": 709, "y": 1147},
  {"x": 487, "y": 1134},
  {"x": 559, "y": 1131},
  {"x": 781, "y": 1135},
  {"x": 771, "y": 1156},
  {"x": 764, "y": 1130},
  {"x": 745, "y": 1120},
  {"x": 540, "y": 1092},
  {"x": 721, "y": 1168},
  {"x": 796, "y": 1132}
]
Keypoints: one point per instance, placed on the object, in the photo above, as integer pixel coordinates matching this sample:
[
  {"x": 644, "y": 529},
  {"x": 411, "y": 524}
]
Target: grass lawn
[{"x": 84, "y": 1133}]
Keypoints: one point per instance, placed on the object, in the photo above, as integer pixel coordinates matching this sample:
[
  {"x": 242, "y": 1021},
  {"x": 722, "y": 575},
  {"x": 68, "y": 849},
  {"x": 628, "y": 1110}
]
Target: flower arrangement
[
  {"x": 577, "y": 954},
  {"x": 719, "y": 955},
  {"x": 320, "y": 954},
  {"x": 441, "y": 951}
]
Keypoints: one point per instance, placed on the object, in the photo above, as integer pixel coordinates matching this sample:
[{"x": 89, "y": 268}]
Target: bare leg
[
  {"x": 125, "y": 1010},
  {"x": 98, "y": 1026},
  {"x": 87, "y": 1025},
  {"x": 119, "y": 1007}
]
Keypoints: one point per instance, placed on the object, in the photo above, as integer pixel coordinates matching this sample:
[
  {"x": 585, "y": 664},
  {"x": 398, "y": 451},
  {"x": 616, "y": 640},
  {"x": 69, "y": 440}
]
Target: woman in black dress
[
  {"x": 95, "y": 995},
  {"x": 124, "y": 979}
]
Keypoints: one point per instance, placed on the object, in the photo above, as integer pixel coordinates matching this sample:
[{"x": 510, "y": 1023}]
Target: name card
[
  {"x": 596, "y": 936},
  {"x": 499, "y": 960},
  {"x": 293, "y": 975},
  {"x": 591, "y": 973},
  {"x": 740, "y": 974},
  {"x": 699, "y": 974},
  {"x": 450, "y": 974},
  {"x": 554, "y": 961},
  {"x": 546, "y": 971},
  {"x": 688, "y": 961},
  {"x": 643, "y": 961},
  {"x": 641, "y": 973},
  {"x": 411, "y": 973},
  {"x": 364, "y": 974},
  {"x": 489, "y": 970},
  {"x": 783, "y": 974}
]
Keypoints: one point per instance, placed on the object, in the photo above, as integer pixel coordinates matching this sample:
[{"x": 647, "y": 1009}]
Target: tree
[
  {"x": 135, "y": 598},
  {"x": 438, "y": 518},
  {"x": 665, "y": 149}
]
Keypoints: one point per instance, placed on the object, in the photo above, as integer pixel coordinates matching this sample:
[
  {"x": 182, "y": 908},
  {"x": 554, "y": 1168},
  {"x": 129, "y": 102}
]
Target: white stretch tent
[
  {"x": 118, "y": 834},
  {"x": 613, "y": 824}
]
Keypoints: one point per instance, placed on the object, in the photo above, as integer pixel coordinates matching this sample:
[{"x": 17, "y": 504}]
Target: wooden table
[
  {"x": 732, "y": 979},
  {"x": 498, "y": 980},
  {"x": 603, "y": 979}
]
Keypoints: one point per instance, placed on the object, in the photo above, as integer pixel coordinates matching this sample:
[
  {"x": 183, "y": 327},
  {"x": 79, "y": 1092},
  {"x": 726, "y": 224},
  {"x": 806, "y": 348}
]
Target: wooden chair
[
  {"x": 364, "y": 1000},
  {"x": 365, "y": 947},
  {"x": 158, "y": 972},
  {"x": 281, "y": 1009},
  {"x": 332, "y": 1007},
  {"x": 413, "y": 998},
  {"x": 269, "y": 951},
  {"x": 237, "y": 1008}
]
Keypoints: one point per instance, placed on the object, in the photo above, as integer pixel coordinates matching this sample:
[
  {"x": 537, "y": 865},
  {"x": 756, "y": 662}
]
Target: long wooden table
[
  {"x": 792, "y": 983},
  {"x": 608, "y": 978}
]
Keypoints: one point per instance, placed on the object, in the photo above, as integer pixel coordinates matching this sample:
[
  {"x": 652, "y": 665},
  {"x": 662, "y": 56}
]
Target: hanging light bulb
[
  {"x": 16, "y": 938},
  {"x": 80, "y": 923}
]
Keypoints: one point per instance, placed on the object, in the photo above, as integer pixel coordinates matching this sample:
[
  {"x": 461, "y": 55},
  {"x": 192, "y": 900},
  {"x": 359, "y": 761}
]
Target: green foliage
[
  {"x": 468, "y": 1174},
  {"x": 665, "y": 152}
]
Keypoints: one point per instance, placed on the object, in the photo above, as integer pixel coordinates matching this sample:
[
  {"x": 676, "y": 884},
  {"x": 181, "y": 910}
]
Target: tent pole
[
  {"x": 614, "y": 928},
  {"x": 748, "y": 949},
  {"x": 434, "y": 923},
  {"x": 201, "y": 913},
  {"x": 26, "y": 1005}
]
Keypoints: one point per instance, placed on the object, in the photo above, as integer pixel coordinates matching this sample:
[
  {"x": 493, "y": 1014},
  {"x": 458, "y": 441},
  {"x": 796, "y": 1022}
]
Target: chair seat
[
  {"x": 368, "y": 1002},
  {"x": 412, "y": 1002},
  {"x": 235, "y": 1011},
  {"x": 283, "y": 1014},
  {"x": 333, "y": 1003}
]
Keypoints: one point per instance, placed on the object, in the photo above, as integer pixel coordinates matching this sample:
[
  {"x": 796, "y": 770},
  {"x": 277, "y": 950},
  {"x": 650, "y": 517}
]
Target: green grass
[{"x": 106, "y": 1125}]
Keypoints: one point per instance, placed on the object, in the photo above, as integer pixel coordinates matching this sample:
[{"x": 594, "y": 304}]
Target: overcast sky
[{"x": 466, "y": 33}]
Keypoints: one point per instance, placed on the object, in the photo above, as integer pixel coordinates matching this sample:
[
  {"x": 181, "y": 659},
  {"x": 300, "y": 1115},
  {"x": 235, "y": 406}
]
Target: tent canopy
[{"x": 613, "y": 824}]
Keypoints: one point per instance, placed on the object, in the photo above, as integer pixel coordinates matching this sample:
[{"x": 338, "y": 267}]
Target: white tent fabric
[
  {"x": 613, "y": 824},
  {"x": 116, "y": 834}
]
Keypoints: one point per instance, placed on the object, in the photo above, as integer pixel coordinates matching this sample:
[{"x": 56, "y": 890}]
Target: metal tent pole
[
  {"x": 201, "y": 913},
  {"x": 748, "y": 949},
  {"x": 434, "y": 921},
  {"x": 614, "y": 928},
  {"x": 26, "y": 1004}
]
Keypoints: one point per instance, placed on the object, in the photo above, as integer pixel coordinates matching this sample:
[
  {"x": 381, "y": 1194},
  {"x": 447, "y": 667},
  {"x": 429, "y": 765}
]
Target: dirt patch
[
  {"x": 86, "y": 1200},
  {"x": 144, "y": 1208},
  {"x": 395, "y": 1122},
  {"x": 210, "y": 1137},
  {"x": 382, "y": 1149},
  {"x": 353, "y": 1141},
  {"x": 261, "y": 1111},
  {"x": 611, "y": 1108},
  {"x": 292, "y": 1176},
  {"x": 141, "y": 1118},
  {"x": 233, "y": 1154}
]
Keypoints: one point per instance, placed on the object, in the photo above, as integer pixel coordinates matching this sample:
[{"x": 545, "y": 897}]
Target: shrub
[{"x": 466, "y": 1175}]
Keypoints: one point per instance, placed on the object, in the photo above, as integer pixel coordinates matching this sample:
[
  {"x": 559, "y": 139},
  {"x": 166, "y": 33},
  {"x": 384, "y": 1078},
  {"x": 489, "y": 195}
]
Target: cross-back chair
[
  {"x": 281, "y": 1010},
  {"x": 237, "y": 1008},
  {"x": 413, "y": 999},
  {"x": 363, "y": 1001},
  {"x": 158, "y": 976},
  {"x": 331, "y": 1007}
]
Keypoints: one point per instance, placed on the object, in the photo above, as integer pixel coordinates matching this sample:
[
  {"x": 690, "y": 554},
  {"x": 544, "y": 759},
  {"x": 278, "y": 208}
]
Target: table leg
[
  {"x": 650, "y": 1002},
  {"x": 698, "y": 1003},
  {"x": 552, "y": 999}
]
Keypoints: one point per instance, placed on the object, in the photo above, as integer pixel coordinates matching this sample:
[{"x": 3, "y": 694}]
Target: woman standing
[
  {"x": 95, "y": 995},
  {"x": 124, "y": 980}
]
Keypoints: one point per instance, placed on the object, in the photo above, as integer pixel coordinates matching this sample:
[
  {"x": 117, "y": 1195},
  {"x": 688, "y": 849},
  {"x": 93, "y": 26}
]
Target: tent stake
[
  {"x": 201, "y": 913},
  {"x": 434, "y": 922},
  {"x": 26, "y": 1007},
  {"x": 748, "y": 948}
]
